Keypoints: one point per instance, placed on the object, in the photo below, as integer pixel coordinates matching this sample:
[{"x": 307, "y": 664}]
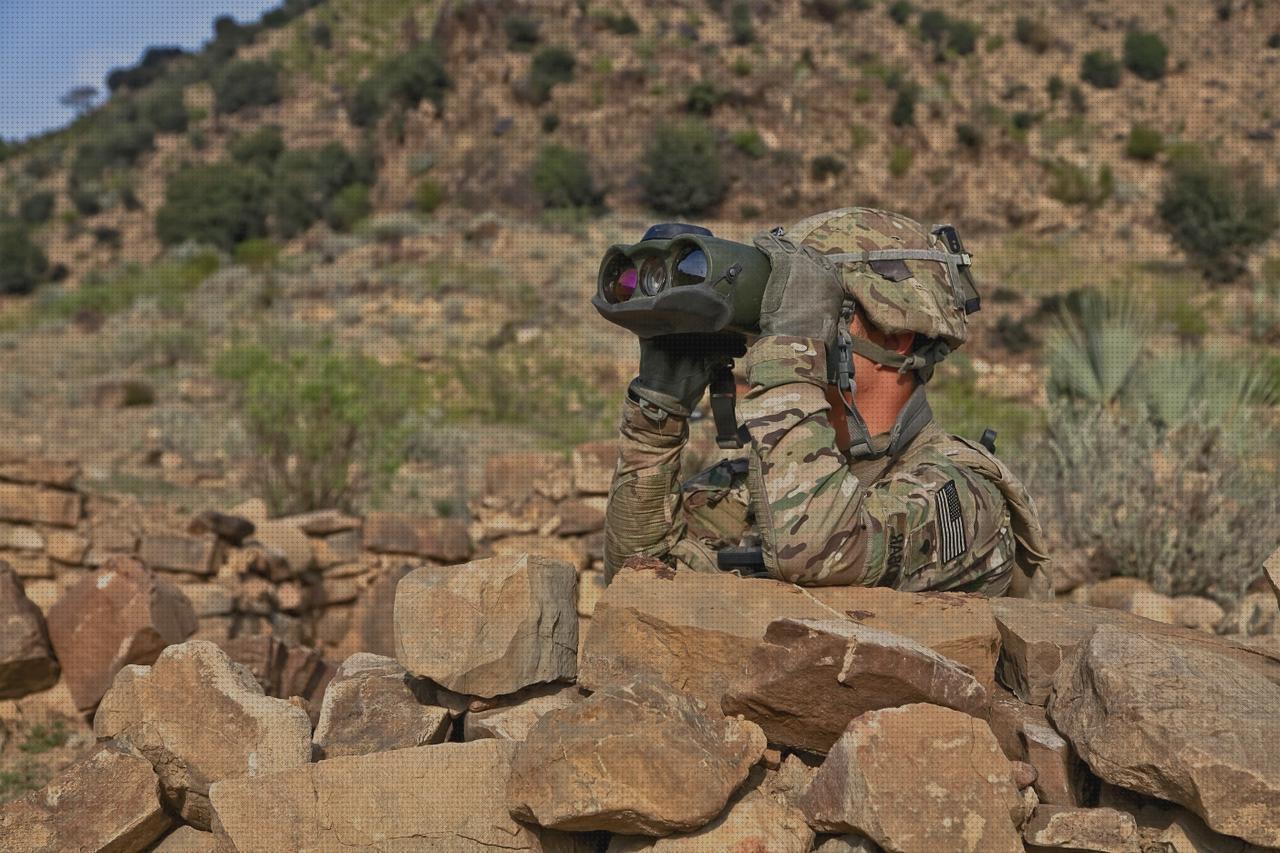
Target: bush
[
  {"x": 1217, "y": 215},
  {"x": 1100, "y": 69},
  {"x": 325, "y": 425},
  {"x": 970, "y": 136},
  {"x": 219, "y": 205},
  {"x": 681, "y": 173},
  {"x": 901, "y": 11},
  {"x": 933, "y": 25},
  {"x": 522, "y": 33},
  {"x": 247, "y": 83},
  {"x": 166, "y": 110},
  {"x": 551, "y": 66},
  {"x": 703, "y": 98},
  {"x": 562, "y": 179},
  {"x": 900, "y": 160},
  {"x": 1033, "y": 33},
  {"x": 749, "y": 142},
  {"x": 428, "y": 196},
  {"x": 118, "y": 145},
  {"x": 741, "y": 28},
  {"x": 306, "y": 181},
  {"x": 962, "y": 37},
  {"x": 550, "y": 121},
  {"x": 825, "y": 166},
  {"x": 322, "y": 36},
  {"x": 36, "y": 208},
  {"x": 348, "y": 207},
  {"x": 257, "y": 253},
  {"x": 904, "y": 106},
  {"x": 1071, "y": 184},
  {"x": 407, "y": 80},
  {"x": 619, "y": 23},
  {"x": 1145, "y": 54},
  {"x": 148, "y": 70},
  {"x": 1144, "y": 142},
  {"x": 260, "y": 148},
  {"x": 23, "y": 264}
]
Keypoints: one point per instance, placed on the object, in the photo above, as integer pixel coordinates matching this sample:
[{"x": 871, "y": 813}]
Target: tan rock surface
[
  {"x": 1099, "y": 830},
  {"x": 39, "y": 505},
  {"x": 443, "y": 539},
  {"x": 1025, "y": 734},
  {"x": 26, "y": 658},
  {"x": 918, "y": 779},
  {"x": 371, "y": 705},
  {"x": 188, "y": 839},
  {"x": 636, "y": 760},
  {"x": 179, "y": 552},
  {"x": 513, "y": 717},
  {"x": 809, "y": 679},
  {"x": 848, "y": 844},
  {"x": 491, "y": 627},
  {"x": 120, "y": 615},
  {"x": 1271, "y": 570},
  {"x": 108, "y": 802},
  {"x": 755, "y": 822},
  {"x": 199, "y": 718},
  {"x": 442, "y": 798},
  {"x": 1179, "y": 722}
]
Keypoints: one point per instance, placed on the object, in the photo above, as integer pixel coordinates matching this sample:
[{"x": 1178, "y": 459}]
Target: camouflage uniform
[{"x": 940, "y": 514}]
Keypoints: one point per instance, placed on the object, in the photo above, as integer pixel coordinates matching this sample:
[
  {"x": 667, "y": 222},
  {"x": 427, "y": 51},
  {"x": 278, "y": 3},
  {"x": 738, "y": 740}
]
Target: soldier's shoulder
[{"x": 934, "y": 470}]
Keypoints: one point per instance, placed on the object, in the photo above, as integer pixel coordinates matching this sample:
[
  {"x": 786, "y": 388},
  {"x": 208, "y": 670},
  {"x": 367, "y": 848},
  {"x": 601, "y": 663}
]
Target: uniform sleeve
[
  {"x": 644, "y": 514},
  {"x": 928, "y": 528}
]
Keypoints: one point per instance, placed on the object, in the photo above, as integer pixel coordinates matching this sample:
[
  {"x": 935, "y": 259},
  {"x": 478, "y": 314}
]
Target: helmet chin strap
[{"x": 915, "y": 415}]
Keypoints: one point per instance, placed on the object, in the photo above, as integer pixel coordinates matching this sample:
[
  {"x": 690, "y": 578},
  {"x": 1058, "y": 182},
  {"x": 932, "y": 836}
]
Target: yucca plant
[{"x": 1094, "y": 351}]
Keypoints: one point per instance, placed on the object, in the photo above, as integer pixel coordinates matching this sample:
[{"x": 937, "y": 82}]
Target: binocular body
[{"x": 680, "y": 279}]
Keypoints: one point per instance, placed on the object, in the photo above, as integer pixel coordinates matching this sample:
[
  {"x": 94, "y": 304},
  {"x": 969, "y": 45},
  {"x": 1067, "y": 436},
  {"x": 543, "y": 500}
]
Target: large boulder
[
  {"x": 918, "y": 779},
  {"x": 430, "y": 798},
  {"x": 491, "y": 627},
  {"x": 108, "y": 802},
  {"x": 442, "y": 539},
  {"x": 199, "y": 718},
  {"x": 641, "y": 759},
  {"x": 1038, "y": 637},
  {"x": 698, "y": 630},
  {"x": 188, "y": 839},
  {"x": 1098, "y": 830},
  {"x": 120, "y": 615},
  {"x": 1177, "y": 721},
  {"x": 513, "y": 717},
  {"x": 753, "y": 823},
  {"x": 26, "y": 659},
  {"x": 374, "y": 705},
  {"x": 809, "y": 679},
  {"x": 283, "y": 670},
  {"x": 1025, "y": 734}
]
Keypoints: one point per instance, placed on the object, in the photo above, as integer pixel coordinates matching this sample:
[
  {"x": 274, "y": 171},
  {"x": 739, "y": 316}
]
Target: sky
[{"x": 49, "y": 47}]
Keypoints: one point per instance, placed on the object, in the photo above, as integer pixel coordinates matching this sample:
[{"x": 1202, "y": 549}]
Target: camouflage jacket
[{"x": 938, "y": 517}]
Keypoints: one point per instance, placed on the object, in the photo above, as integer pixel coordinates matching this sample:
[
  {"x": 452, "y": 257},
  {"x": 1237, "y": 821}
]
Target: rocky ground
[{"x": 329, "y": 682}]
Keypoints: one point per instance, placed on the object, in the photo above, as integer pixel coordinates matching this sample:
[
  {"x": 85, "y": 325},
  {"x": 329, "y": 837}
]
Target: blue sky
[{"x": 48, "y": 47}]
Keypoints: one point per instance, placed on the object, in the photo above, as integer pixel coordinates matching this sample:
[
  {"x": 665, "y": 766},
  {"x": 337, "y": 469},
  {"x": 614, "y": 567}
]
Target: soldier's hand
[
  {"x": 804, "y": 293},
  {"x": 676, "y": 369}
]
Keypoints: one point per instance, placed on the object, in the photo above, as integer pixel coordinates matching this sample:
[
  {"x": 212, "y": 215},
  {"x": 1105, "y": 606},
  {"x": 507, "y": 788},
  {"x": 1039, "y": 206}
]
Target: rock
[
  {"x": 18, "y": 537},
  {"x": 848, "y": 844},
  {"x": 591, "y": 587},
  {"x": 437, "y": 797},
  {"x": 40, "y": 472},
  {"x": 120, "y": 615},
  {"x": 1200, "y": 614},
  {"x": 336, "y": 549},
  {"x": 283, "y": 670},
  {"x": 1115, "y": 593},
  {"x": 188, "y": 839},
  {"x": 108, "y": 802},
  {"x": 699, "y": 630},
  {"x": 1179, "y": 722},
  {"x": 1255, "y": 613},
  {"x": 809, "y": 679},
  {"x": 1167, "y": 828},
  {"x": 26, "y": 658},
  {"x": 371, "y": 705},
  {"x": 1039, "y": 636},
  {"x": 284, "y": 540},
  {"x": 232, "y": 529},
  {"x": 491, "y": 627},
  {"x": 593, "y": 465},
  {"x": 1101, "y": 830},
  {"x": 918, "y": 778},
  {"x": 577, "y": 518},
  {"x": 210, "y": 599},
  {"x": 324, "y": 522},
  {"x": 566, "y": 550},
  {"x": 515, "y": 716},
  {"x": 755, "y": 822},
  {"x": 67, "y": 547},
  {"x": 199, "y": 718},
  {"x": 790, "y": 780},
  {"x": 1025, "y": 734},
  {"x": 176, "y": 552},
  {"x": 39, "y": 505},
  {"x": 121, "y": 394},
  {"x": 640, "y": 759},
  {"x": 1271, "y": 571},
  {"x": 373, "y": 622},
  {"x": 442, "y": 539},
  {"x": 511, "y": 476}
]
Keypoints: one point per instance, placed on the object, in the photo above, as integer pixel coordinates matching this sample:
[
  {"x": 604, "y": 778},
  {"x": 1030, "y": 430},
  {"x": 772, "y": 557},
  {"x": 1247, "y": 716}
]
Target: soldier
[{"x": 840, "y": 487}]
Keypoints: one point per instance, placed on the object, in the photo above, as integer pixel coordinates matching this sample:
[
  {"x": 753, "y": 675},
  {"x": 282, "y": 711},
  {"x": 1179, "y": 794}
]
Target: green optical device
[{"x": 680, "y": 279}]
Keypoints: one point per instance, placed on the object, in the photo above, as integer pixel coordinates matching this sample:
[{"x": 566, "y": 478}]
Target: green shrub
[
  {"x": 901, "y": 11},
  {"x": 322, "y": 36},
  {"x": 349, "y": 206},
  {"x": 245, "y": 83},
  {"x": 703, "y": 98},
  {"x": 562, "y": 179},
  {"x": 900, "y": 160},
  {"x": 36, "y": 208},
  {"x": 1100, "y": 69},
  {"x": 306, "y": 181},
  {"x": 1145, "y": 54},
  {"x": 259, "y": 148},
  {"x": 1216, "y": 214},
  {"x": 117, "y": 145},
  {"x": 166, "y": 284},
  {"x": 741, "y": 28},
  {"x": 1145, "y": 143},
  {"x": 257, "y": 253},
  {"x": 618, "y": 23},
  {"x": 904, "y": 106},
  {"x": 428, "y": 196},
  {"x": 825, "y": 166},
  {"x": 1054, "y": 87},
  {"x": 1033, "y": 33},
  {"x": 968, "y": 135},
  {"x": 315, "y": 416},
  {"x": 551, "y": 66},
  {"x": 522, "y": 33},
  {"x": 962, "y": 37},
  {"x": 749, "y": 142},
  {"x": 165, "y": 109},
  {"x": 550, "y": 121},
  {"x": 681, "y": 172},
  {"x": 406, "y": 80},
  {"x": 1072, "y": 184},
  {"x": 23, "y": 264},
  {"x": 219, "y": 205}
]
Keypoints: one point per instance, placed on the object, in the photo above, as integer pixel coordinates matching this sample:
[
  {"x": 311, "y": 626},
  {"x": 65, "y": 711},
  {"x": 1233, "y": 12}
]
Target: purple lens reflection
[{"x": 626, "y": 284}]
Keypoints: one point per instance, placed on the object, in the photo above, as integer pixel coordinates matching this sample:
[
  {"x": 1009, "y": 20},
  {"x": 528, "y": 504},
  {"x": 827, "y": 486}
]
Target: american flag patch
[{"x": 951, "y": 542}]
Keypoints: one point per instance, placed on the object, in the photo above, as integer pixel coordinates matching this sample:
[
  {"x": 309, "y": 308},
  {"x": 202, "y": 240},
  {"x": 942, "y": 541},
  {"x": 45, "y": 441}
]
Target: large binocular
[{"x": 681, "y": 279}]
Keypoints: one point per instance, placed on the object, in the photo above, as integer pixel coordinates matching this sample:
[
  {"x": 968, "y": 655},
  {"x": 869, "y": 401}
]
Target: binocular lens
[
  {"x": 653, "y": 276},
  {"x": 692, "y": 268},
  {"x": 620, "y": 279}
]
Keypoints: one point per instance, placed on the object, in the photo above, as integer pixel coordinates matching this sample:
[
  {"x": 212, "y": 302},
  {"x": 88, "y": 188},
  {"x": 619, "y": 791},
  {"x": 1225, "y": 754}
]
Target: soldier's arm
[{"x": 644, "y": 514}]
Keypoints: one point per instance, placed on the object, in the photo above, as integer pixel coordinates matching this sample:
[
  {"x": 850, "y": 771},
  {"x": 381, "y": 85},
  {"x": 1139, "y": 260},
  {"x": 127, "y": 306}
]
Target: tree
[
  {"x": 246, "y": 84},
  {"x": 23, "y": 264},
  {"x": 217, "y": 204},
  {"x": 682, "y": 172},
  {"x": 80, "y": 99}
]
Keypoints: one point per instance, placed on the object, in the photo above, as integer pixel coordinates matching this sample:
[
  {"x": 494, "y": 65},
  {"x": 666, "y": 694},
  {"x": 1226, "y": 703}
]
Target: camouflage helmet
[{"x": 905, "y": 277}]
